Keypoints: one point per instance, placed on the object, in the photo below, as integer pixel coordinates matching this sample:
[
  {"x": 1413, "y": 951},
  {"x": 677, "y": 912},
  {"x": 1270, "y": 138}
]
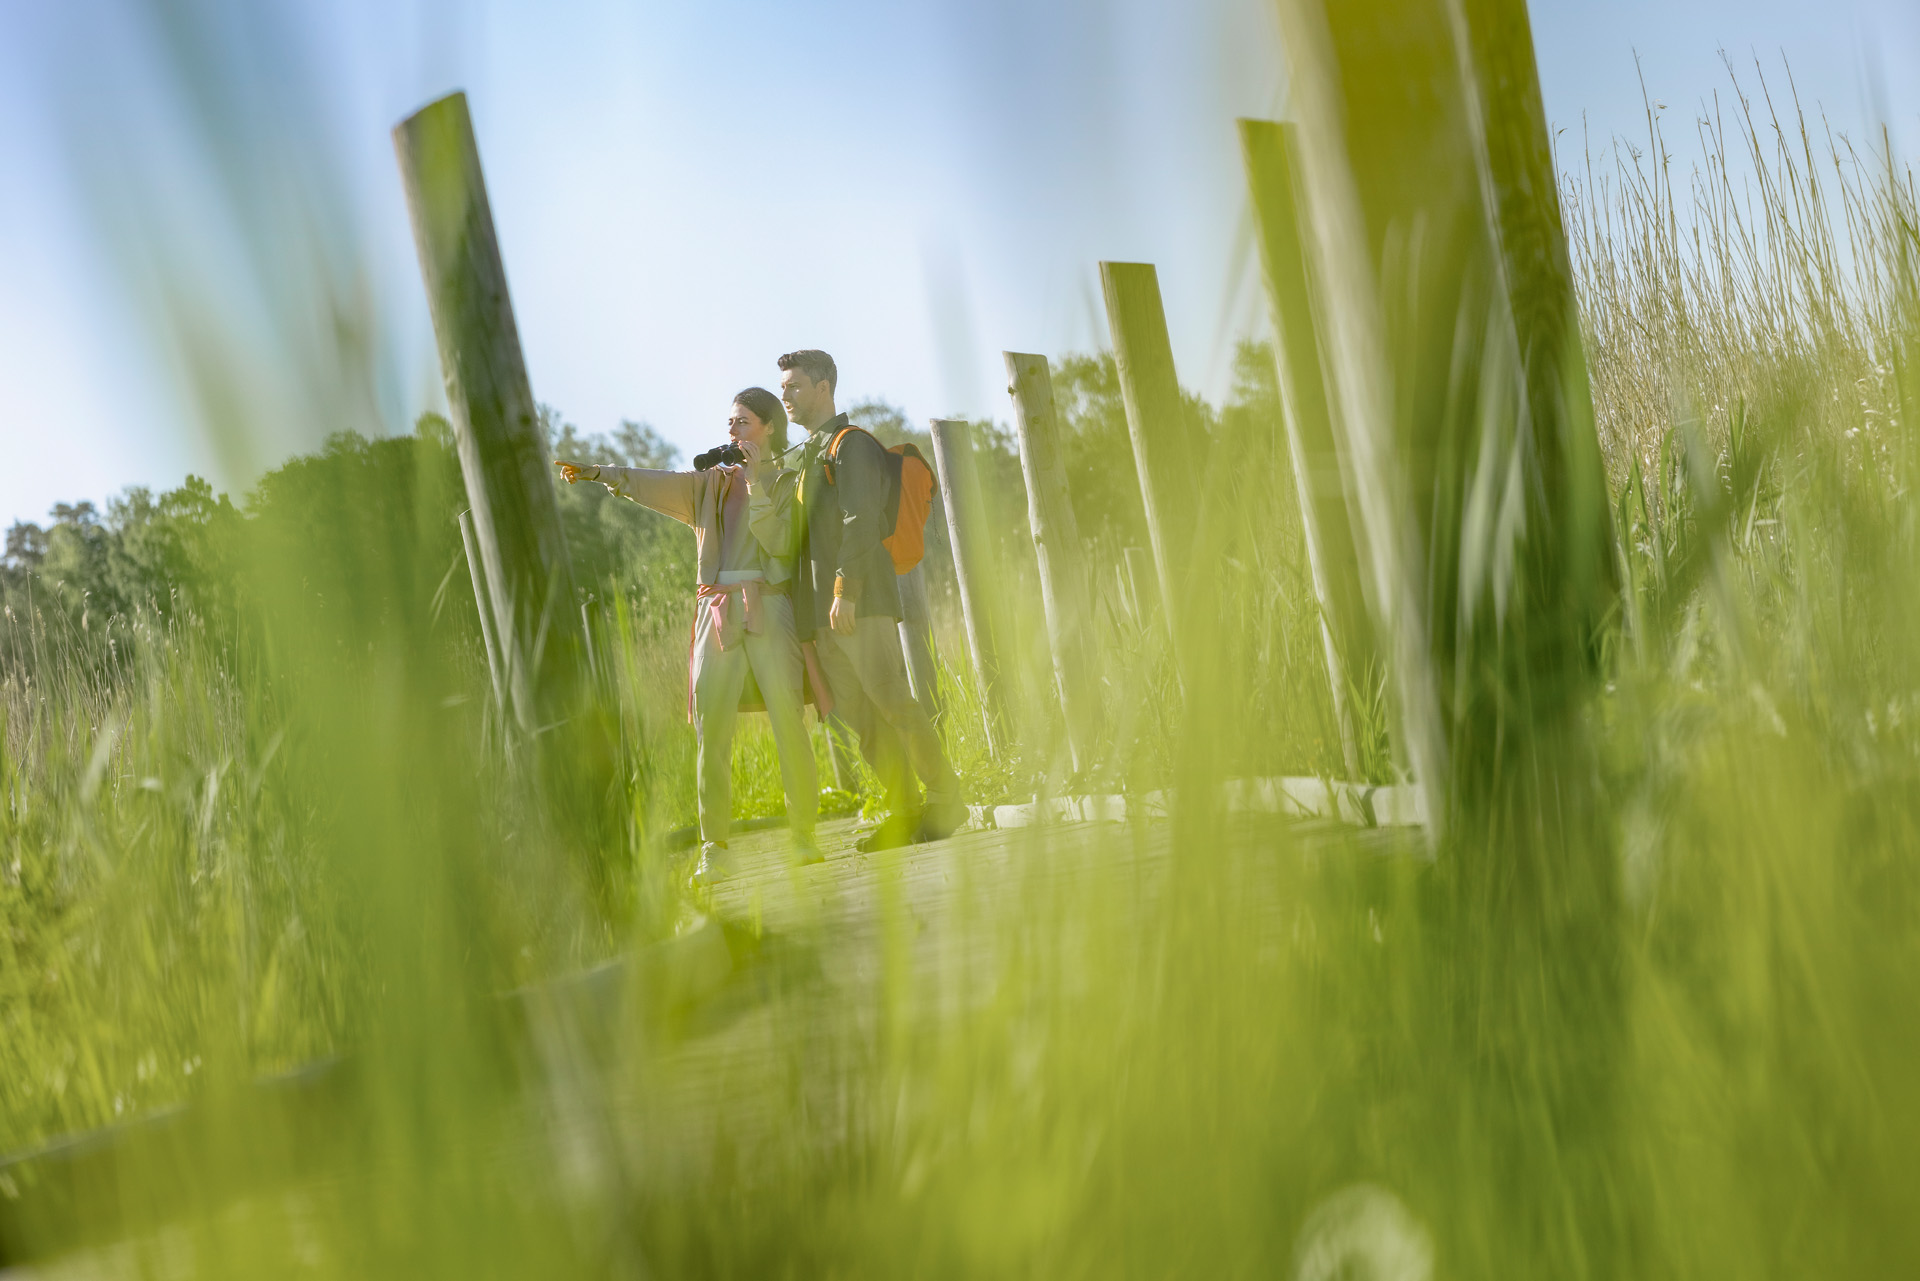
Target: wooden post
[
  {"x": 515, "y": 516},
  {"x": 487, "y": 636},
  {"x": 1056, "y": 544},
  {"x": 1345, "y": 631},
  {"x": 1430, "y": 216},
  {"x": 1157, "y": 420},
  {"x": 916, "y": 641},
  {"x": 972, "y": 559}
]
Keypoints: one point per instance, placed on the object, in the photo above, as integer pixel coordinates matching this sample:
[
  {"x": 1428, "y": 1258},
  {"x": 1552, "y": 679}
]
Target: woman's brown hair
[{"x": 766, "y": 406}]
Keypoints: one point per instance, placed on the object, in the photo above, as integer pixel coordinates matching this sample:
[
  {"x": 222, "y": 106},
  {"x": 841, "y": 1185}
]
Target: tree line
[{"x": 361, "y": 523}]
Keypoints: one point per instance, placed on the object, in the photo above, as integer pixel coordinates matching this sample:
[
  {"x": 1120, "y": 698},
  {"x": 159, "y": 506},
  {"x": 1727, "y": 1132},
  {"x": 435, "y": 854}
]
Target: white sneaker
[
  {"x": 712, "y": 865},
  {"x": 805, "y": 852}
]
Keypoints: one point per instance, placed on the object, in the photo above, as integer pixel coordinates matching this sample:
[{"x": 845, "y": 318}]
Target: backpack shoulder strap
[
  {"x": 832, "y": 454},
  {"x": 833, "y": 447}
]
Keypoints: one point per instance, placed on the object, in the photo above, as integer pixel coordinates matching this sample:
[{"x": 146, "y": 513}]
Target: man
[{"x": 847, "y": 576}]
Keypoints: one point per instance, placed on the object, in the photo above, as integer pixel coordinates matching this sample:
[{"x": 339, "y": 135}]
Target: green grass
[{"x": 223, "y": 853}]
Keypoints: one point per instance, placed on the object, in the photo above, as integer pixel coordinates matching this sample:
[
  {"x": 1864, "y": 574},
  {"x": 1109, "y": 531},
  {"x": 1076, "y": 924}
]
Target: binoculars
[{"x": 727, "y": 453}]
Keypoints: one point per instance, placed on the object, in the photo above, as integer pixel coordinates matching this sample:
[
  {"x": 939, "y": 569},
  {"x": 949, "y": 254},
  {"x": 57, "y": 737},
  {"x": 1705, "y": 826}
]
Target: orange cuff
[{"x": 844, "y": 588}]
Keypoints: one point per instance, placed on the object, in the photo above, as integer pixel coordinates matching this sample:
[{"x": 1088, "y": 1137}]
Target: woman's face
[{"x": 744, "y": 424}]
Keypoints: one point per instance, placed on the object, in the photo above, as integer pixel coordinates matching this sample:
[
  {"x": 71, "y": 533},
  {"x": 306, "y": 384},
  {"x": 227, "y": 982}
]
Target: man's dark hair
[
  {"x": 814, "y": 363},
  {"x": 766, "y": 406}
]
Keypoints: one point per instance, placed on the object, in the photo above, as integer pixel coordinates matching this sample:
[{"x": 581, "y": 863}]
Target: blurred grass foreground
[{"x": 283, "y": 909}]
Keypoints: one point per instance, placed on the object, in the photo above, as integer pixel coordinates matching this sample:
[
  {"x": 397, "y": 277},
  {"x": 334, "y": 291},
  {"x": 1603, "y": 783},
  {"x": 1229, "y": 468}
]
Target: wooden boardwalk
[
  {"x": 768, "y": 1033},
  {"x": 787, "y": 1007}
]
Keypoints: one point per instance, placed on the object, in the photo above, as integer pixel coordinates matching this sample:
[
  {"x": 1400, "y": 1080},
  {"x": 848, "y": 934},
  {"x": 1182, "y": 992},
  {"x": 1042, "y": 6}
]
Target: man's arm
[{"x": 861, "y": 480}]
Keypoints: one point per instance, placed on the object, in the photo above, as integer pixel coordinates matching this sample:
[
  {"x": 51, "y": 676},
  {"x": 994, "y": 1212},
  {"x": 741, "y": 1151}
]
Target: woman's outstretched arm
[{"x": 672, "y": 493}]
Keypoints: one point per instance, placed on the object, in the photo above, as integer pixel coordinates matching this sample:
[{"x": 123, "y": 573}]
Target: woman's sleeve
[
  {"x": 670, "y": 493},
  {"x": 770, "y": 516}
]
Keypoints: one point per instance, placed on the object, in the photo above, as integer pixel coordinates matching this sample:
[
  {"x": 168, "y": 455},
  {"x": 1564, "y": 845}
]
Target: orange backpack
[{"x": 909, "y": 497}]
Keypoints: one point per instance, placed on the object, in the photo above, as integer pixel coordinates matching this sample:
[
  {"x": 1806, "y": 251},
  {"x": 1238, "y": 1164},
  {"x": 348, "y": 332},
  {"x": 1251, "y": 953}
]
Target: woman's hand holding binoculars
[{"x": 750, "y": 458}]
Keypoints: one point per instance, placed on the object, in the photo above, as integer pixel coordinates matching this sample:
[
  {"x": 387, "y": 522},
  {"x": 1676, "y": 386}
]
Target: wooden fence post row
[
  {"x": 1440, "y": 486},
  {"x": 514, "y": 518},
  {"x": 1056, "y": 544},
  {"x": 972, "y": 563}
]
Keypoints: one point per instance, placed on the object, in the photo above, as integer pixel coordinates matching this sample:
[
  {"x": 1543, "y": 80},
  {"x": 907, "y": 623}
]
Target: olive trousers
[{"x": 867, "y": 673}]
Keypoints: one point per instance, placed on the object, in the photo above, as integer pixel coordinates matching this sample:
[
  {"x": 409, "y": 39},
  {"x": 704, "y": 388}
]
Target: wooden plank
[
  {"x": 1057, "y": 546},
  {"x": 1164, "y": 439},
  {"x": 973, "y": 566},
  {"x": 136, "y": 1176},
  {"x": 516, "y": 517},
  {"x": 1346, "y": 632}
]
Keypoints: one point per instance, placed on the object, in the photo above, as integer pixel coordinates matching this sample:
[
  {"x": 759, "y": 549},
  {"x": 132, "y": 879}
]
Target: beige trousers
[{"x": 719, "y": 676}]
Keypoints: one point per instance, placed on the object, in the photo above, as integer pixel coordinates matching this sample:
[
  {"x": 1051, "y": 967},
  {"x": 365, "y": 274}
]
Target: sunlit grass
[{"x": 1141, "y": 1049}]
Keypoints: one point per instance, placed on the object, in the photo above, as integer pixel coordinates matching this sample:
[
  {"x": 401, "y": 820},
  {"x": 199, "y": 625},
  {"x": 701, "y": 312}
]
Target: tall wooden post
[
  {"x": 1056, "y": 544},
  {"x": 516, "y": 519},
  {"x": 1345, "y": 631},
  {"x": 1157, "y": 421},
  {"x": 1458, "y": 387},
  {"x": 488, "y": 638},
  {"x": 972, "y": 563}
]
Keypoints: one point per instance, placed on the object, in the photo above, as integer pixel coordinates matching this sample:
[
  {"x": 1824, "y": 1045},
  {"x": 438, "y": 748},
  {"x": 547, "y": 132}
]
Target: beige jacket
[{"x": 697, "y": 498}]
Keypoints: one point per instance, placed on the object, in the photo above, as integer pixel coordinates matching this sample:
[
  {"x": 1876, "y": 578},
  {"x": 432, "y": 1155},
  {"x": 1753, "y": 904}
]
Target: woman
[{"x": 747, "y": 540}]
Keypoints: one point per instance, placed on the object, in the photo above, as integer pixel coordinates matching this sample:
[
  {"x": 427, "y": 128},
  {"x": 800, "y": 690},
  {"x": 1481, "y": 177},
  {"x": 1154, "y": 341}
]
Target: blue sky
[{"x": 685, "y": 190}]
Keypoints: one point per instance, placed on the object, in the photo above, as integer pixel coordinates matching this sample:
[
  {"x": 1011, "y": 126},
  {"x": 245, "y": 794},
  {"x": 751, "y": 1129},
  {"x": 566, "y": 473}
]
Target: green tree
[
  {"x": 174, "y": 550},
  {"x": 616, "y": 545}
]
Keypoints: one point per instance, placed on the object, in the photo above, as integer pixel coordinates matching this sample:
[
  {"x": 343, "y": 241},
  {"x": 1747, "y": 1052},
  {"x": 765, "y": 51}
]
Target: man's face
[{"x": 804, "y": 397}]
